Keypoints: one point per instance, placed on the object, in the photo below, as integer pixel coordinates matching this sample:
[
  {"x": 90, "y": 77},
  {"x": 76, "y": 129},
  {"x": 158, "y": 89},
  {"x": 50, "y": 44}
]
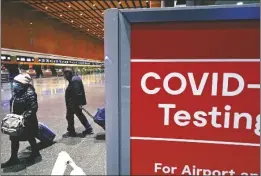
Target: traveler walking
[
  {"x": 75, "y": 98},
  {"x": 24, "y": 102}
]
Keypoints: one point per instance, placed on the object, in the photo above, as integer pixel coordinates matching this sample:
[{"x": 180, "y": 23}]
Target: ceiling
[{"x": 85, "y": 15}]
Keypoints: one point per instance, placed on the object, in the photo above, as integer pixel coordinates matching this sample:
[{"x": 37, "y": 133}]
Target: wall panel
[{"x": 44, "y": 35}]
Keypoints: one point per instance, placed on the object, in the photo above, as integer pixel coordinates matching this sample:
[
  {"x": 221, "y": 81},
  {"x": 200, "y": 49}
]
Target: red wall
[{"x": 45, "y": 35}]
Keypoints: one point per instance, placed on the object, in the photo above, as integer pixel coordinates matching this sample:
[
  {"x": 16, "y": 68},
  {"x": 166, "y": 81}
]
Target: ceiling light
[
  {"x": 103, "y": 29},
  {"x": 31, "y": 23},
  {"x": 240, "y": 3},
  {"x": 119, "y": 2},
  {"x": 61, "y": 15},
  {"x": 88, "y": 29},
  {"x": 72, "y": 21},
  {"x": 69, "y": 6},
  {"x": 46, "y": 7},
  {"x": 93, "y": 5},
  {"x": 147, "y": 1},
  {"x": 81, "y": 14},
  {"x": 97, "y": 25},
  {"x": 102, "y": 12}
]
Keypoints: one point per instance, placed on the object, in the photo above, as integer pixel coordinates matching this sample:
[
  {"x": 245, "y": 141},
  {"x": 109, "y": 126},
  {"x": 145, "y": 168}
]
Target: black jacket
[
  {"x": 75, "y": 94},
  {"x": 26, "y": 103}
]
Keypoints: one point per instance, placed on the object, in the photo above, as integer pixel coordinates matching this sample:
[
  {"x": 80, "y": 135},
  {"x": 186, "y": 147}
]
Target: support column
[
  {"x": 162, "y": 3},
  {"x": 155, "y": 3},
  {"x": 175, "y": 2}
]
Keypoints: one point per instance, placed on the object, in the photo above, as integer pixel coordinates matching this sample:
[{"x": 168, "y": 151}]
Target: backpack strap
[{"x": 12, "y": 109}]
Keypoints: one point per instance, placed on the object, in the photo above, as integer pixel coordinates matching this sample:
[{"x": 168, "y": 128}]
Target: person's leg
[
  {"x": 83, "y": 120},
  {"x": 34, "y": 147},
  {"x": 70, "y": 120},
  {"x": 35, "y": 151},
  {"x": 14, "y": 148},
  {"x": 14, "y": 152}
]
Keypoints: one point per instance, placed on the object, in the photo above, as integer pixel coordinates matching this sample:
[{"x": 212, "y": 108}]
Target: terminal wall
[{"x": 45, "y": 35}]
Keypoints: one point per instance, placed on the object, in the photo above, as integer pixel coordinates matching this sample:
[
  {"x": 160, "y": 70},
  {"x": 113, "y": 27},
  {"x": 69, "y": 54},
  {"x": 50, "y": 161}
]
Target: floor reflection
[{"x": 51, "y": 86}]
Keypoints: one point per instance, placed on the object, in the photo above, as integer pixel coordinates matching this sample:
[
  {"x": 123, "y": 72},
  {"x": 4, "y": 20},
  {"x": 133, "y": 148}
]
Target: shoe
[
  {"x": 33, "y": 156},
  {"x": 10, "y": 162},
  {"x": 70, "y": 134},
  {"x": 88, "y": 131}
]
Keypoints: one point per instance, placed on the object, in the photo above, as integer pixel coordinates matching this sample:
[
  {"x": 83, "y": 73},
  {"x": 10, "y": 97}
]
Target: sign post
[{"x": 183, "y": 91}]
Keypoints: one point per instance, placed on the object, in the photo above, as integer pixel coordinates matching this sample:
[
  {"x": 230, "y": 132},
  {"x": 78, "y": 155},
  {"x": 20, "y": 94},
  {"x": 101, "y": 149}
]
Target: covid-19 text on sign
[
  {"x": 205, "y": 107},
  {"x": 199, "y": 118}
]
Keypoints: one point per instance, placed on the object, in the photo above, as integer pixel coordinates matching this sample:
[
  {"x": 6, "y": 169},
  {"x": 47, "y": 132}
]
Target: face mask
[
  {"x": 17, "y": 87},
  {"x": 67, "y": 76}
]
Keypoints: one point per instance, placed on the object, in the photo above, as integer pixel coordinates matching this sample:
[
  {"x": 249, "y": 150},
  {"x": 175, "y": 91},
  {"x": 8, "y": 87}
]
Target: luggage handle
[{"x": 87, "y": 112}]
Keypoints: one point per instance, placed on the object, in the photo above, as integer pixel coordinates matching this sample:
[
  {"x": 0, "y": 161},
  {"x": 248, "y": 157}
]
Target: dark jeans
[{"x": 70, "y": 118}]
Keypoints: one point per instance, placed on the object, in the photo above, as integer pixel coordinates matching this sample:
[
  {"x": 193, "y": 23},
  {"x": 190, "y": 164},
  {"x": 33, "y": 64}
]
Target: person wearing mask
[
  {"x": 24, "y": 102},
  {"x": 75, "y": 99}
]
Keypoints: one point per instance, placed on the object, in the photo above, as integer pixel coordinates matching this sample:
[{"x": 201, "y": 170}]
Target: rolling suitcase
[
  {"x": 45, "y": 134},
  {"x": 99, "y": 117}
]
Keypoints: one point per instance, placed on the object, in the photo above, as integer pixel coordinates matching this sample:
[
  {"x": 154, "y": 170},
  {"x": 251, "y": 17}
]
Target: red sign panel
[{"x": 195, "y": 116}]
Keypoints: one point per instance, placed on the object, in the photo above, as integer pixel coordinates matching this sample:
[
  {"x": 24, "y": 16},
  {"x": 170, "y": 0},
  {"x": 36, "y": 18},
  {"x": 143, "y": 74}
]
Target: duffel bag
[{"x": 13, "y": 125}]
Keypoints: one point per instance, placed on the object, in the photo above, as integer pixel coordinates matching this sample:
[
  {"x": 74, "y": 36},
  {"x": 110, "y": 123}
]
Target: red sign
[
  {"x": 194, "y": 116},
  {"x": 201, "y": 115}
]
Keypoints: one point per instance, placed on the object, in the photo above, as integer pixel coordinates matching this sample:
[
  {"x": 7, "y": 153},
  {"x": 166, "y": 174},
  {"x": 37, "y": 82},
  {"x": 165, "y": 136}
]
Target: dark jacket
[
  {"x": 26, "y": 103},
  {"x": 75, "y": 94}
]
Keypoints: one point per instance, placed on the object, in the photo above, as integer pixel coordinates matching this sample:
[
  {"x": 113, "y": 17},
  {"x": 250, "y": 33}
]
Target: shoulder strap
[{"x": 12, "y": 109}]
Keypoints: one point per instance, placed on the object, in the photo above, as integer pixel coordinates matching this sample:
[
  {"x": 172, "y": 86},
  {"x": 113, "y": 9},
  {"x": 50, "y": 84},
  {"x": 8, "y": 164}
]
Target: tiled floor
[{"x": 88, "y": 153}]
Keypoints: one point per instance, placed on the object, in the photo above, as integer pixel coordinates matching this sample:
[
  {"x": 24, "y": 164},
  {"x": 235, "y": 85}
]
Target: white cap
[{"x": 23, "y": 78}]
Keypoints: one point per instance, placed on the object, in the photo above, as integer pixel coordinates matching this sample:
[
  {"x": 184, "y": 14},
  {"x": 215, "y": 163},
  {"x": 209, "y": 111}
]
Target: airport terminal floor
[{"x": 88, "y": 153}]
